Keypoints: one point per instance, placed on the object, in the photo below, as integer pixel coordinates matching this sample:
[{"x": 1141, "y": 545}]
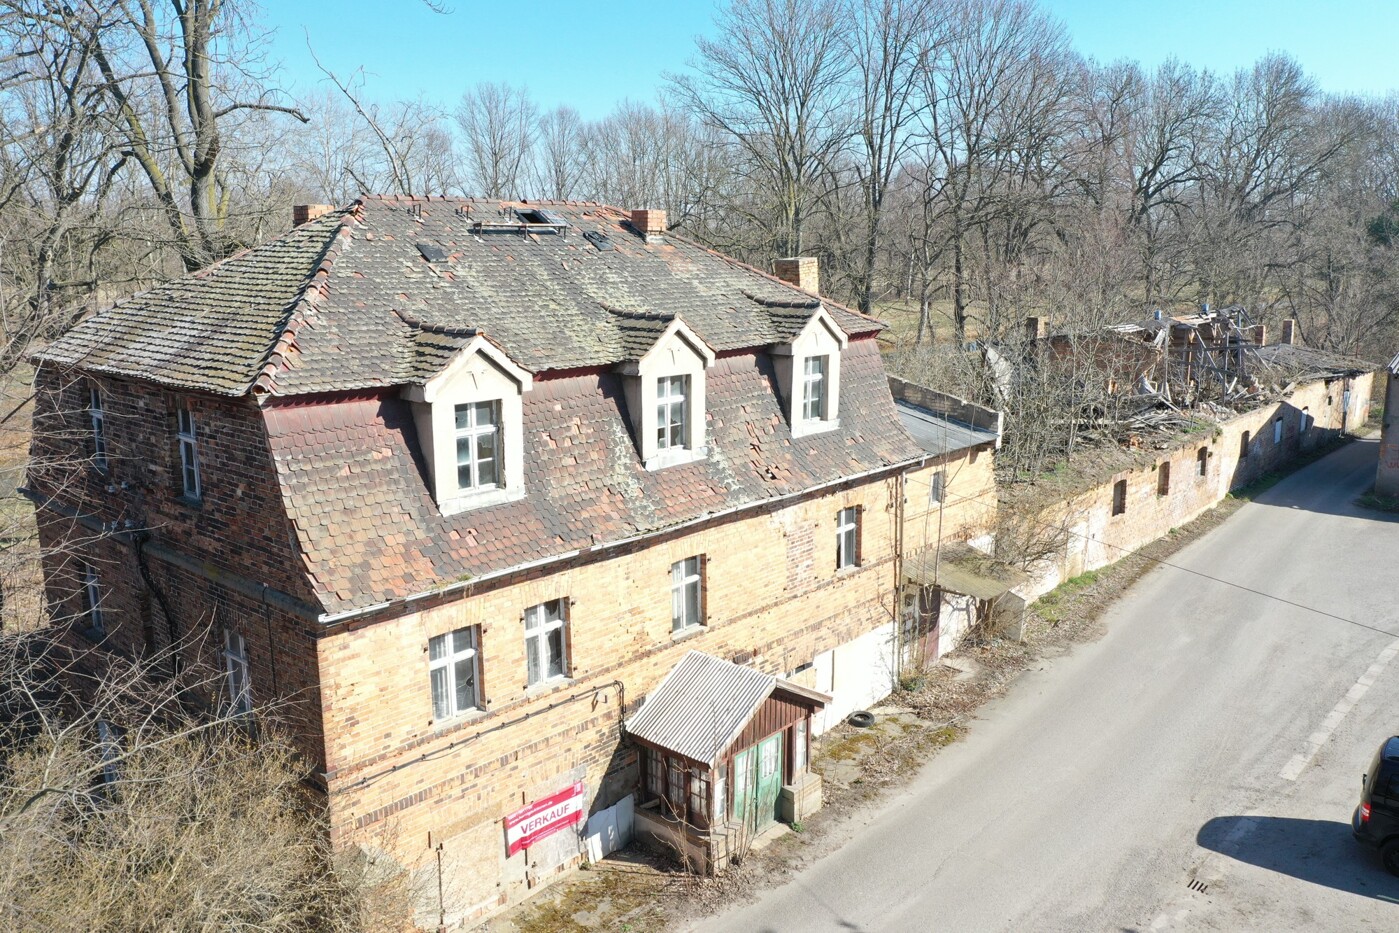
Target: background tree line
[{"x": 954, "y": 163}]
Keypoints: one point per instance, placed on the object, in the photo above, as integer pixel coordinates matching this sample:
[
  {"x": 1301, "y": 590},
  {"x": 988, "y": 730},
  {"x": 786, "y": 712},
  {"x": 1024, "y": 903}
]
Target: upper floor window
[
  {"x": 1244, "y": 438},
  {"x": 814, "y": 388},
  {"x": 1119, "y": 497},
  {"x": 189, "y": 453},
  {"x": 92, "y": 599},
  {"x": 1163, "y": 479},
  {"x": 1306, "y": 420},
  {"x": 1277, "y": 430},
  {"x": 686, "y": 593},
  {"x": 99, "y": 428},
  {"x": 545, "y": 641},
  {"x": 847, "y": 538},
  {"x": 453, "y": 671},
  {"x": 672, "y": 412},
  {"x": 235, "y": 659},
  {"x": 1202, "y": 461},
  {"x": 478, "y": 445}
]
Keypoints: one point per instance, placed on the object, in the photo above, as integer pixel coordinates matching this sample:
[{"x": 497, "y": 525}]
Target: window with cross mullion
[{"x": 814, "y": 389}]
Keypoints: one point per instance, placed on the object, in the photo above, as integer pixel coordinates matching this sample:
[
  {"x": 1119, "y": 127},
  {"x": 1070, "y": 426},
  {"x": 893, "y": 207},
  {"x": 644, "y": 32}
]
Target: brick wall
[
  {"x": 1387, "y": 476},
  {"x": 400, "y": 782},
  {"x": 1098, "y": 537},
  {"x": 208, "y": 560}
]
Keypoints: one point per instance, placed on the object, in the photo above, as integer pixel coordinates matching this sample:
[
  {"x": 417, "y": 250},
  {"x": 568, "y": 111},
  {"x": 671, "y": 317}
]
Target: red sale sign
[{"x": 524, "y": 828}]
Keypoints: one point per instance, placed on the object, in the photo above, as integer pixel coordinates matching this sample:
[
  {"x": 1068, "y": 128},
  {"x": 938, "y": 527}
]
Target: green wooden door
[
  {"x": 743, "y": 786},
  {"x": 769, "y": 780}
]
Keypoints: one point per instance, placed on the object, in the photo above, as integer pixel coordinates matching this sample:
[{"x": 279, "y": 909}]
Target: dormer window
[
  {"x": 478, "y": 445},
  {"x": 808, "y": 374},
  {"x": 470, "y": 425},
  {"x": 671, "y": 428},
  {"x": 665, "y": 390}
]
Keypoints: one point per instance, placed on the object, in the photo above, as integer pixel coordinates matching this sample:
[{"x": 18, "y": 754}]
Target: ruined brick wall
[
  {"x": 403, "y": 783},
  {"x": 215, "y": 564},
  {"x": 1098, "y": 537}
]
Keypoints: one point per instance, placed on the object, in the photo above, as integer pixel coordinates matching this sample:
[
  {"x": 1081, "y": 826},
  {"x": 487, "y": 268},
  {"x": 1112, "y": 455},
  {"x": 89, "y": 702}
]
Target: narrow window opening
[
  {"x": 847, "y": 538},
  {"x": 1119, "y": 497},
  {"x": 99, "y": 429},
  {"x": 937, "y": 488},
  {"x": 1244, "y": 438},
  {"x": 240, "y": 694},
  {"x": 478, "y": 445},
  {"x": 686, "y": 594},
  {"x": 1163, "y": 479},
  {"x": 1202, "y": 461},
  {"x": 672, "y": 412},
  {"x": 189, "y": 454},
  {"x": 92, "y": 600}
]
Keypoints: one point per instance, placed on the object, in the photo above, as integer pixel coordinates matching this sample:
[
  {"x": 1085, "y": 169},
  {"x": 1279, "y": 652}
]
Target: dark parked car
[{"x": 1376, "y": 820}]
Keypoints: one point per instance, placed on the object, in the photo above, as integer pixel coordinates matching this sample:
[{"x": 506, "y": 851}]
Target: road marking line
[{"x": 1294, "y": 768}]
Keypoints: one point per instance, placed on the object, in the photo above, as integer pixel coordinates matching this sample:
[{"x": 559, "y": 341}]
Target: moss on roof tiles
[{"x": 383, "y": 313}]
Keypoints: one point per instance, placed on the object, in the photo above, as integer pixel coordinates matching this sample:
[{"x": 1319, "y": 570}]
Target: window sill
[
  {"x": 675, "y": 457},
  {"x": 847, "y": 571},
  {"x": 534, "y": 691},
  {"x": 440, "y": 726},
  {"x": 467, "y": 502},
  {"x": 689, "y": 631},
  {"x": 190, "y": 501},
  {"x": 807, "y": 428},
  {"x": 95, "y": 635}
]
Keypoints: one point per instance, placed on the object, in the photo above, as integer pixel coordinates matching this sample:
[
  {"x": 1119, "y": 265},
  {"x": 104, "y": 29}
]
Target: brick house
[{"x": 456, "y": 484}]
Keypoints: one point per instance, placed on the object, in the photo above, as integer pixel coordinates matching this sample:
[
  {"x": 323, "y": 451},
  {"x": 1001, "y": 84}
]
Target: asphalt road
[{"x": 1214, "y": 735}]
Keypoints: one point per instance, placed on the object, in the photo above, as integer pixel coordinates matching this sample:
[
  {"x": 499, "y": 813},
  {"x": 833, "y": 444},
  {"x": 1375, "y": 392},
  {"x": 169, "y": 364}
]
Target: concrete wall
[
  {"x": 1097, "y": 537},
  {"x": 1387, "y": 476}
]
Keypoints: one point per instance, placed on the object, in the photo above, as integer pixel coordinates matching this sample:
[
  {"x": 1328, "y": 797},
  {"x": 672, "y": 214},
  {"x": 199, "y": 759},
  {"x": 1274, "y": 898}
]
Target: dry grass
[{"x": 21, "y": 578}]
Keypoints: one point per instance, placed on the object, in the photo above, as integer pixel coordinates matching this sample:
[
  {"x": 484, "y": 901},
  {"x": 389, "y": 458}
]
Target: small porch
[
  {"x": 724, "y": 757},
  {"x": 948, "y": 591}
]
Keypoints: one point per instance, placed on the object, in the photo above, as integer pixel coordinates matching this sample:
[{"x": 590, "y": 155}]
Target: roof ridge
[{"x": 306, "y": 302}]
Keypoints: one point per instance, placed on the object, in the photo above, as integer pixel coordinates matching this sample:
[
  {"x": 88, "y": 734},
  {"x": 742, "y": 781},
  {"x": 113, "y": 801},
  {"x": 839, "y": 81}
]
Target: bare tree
[
  {"x": 499, "y": 126},
  {"x": 774, "y": 81},
  {"x": 560, "y": 165}
]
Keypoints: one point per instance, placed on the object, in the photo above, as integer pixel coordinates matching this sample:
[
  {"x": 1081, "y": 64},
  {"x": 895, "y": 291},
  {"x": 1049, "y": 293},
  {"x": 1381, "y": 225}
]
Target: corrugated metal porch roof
[{"x": 701, "y": 706}]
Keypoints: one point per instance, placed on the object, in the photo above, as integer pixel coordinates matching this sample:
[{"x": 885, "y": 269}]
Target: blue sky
[{"x": 593, "y": 54}]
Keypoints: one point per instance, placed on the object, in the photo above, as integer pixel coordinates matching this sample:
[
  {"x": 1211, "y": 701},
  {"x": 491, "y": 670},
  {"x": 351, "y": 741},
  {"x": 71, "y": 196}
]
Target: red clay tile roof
[{"x": 369, "y": 530}]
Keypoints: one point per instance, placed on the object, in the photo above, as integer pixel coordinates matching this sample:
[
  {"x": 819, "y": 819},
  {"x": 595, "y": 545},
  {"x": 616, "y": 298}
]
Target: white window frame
[
  {"x": 848, "y": 538},
  {"x": 92, "y": 599},
  {"x": 188, "y": 436},
  {"x": 814, "y": 387},
  {"x": 799, "y": 740},
  {"x": 672, "y": 412},
  {"x": 1306, "y": 420},
  {"x": 474, "y": 431},
  {"x": 239, "y": 684},
  {"x": 99, "y": 428},
  {"x": 1277, "y": 430},
  {"x": 685, "y": 575},
  {"x": 448, "y": 662},
  {"x": 541, "y": 622}
]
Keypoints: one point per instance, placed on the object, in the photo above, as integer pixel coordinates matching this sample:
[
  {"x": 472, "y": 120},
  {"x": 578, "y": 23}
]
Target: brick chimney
[
  {"x": 305, "y": 213},
  {"x": 1289, "y": 331},
  {"x": 802, "y": 271},
  {"x": 648, "y": 223},
  {"x": 1035, "y": 328}
]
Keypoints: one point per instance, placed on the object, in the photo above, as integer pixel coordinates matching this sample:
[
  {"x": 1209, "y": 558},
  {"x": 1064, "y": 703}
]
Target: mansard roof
[
  {"x": 386, "y": 291},
  {"x": 369, "y": 532}
]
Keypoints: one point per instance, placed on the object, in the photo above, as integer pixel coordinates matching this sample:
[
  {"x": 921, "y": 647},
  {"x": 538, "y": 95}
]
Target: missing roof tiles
[{"x": 598, "y": 239}]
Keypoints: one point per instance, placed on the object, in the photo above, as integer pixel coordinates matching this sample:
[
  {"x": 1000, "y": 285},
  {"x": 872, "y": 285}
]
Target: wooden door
[{"x": 769, "y": 780}]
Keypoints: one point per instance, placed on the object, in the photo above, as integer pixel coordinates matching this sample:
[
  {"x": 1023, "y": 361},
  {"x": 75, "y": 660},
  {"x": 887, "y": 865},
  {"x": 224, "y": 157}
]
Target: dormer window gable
[
  {"x": 470, "y": 424},
  {"x": 665, "y": 393},
  {"x": 808, "y": 374}
]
